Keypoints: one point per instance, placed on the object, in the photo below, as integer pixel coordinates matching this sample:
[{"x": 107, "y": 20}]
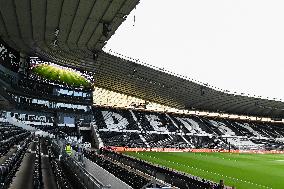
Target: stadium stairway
[
  {"x": 203, "y": 125},
  {"x": 104, "y": 176},
  {"x": 24, "y": 176},
  {"x": 141, "y": 129},
  {"x": 230, "y": 125},
  {"x": 226, "y": 131},
  {"x": 46, "y": 169},
  {"x": 96, "y": 136},
  {"x": 247, "y": 126},
  {"x": 174, "y": 123}
]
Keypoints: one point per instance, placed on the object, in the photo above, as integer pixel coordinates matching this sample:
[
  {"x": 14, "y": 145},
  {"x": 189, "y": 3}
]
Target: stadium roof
[
  {"x": 71, "y": 33},
  {"x": 61, "y": 30},
  {"x": 128, "y": 77}
]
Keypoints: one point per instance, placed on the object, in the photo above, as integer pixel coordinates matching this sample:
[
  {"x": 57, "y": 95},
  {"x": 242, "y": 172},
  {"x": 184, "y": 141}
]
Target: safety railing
[{"x": 85, "y": 177}]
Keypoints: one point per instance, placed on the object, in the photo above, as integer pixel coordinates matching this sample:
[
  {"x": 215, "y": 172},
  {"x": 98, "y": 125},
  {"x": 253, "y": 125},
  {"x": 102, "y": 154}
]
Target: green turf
[
  {"x": 60, "y": 75},
  {"x": 245, "y": 171}
]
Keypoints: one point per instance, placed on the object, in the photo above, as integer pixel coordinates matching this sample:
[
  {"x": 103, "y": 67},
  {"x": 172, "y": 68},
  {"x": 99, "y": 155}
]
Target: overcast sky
[{"x": 236, "y": 45}]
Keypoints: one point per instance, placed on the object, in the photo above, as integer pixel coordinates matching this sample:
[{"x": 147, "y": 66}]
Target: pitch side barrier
[{"x": 125, "y": 149}]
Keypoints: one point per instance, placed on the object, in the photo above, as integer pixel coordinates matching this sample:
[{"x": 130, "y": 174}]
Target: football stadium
[{"x": 74, "y": 115}]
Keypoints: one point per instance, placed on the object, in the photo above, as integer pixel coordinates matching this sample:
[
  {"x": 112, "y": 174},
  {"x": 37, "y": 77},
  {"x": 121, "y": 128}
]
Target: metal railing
[{"x": 89, "y": 181}]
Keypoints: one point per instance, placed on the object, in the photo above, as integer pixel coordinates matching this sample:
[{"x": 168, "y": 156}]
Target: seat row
[{"x": 132, "y": 179}]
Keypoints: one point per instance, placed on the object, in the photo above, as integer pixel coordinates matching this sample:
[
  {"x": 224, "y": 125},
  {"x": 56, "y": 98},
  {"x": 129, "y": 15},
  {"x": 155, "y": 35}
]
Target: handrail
[{"x": 87, "y": 179}]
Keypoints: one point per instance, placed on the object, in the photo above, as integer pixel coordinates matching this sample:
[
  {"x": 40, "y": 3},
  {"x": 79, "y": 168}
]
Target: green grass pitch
[{"x": 245, "y": 171}]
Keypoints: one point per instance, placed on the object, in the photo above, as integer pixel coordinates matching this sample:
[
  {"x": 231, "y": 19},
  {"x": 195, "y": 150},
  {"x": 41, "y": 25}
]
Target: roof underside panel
[
  {"x": 130, "y": 78},
  {"x": 61, "y": 30}
]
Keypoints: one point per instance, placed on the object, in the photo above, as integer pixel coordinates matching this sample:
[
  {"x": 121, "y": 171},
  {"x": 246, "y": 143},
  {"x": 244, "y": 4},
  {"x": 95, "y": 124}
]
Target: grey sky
[{"x": 236, "y": 45}]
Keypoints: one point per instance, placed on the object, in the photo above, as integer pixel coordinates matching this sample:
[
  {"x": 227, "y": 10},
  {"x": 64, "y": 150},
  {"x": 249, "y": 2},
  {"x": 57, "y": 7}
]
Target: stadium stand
[
  {"x": 35, "y": 103},
  {"x": 129, "y": 177},
  {"x": 180, "y": 131},
  {"x": 175, "y": 178},
  {"x": 60, "y": 176},
  {"x": 27, "y": 161},
  {"x": 10, "y": 136},
  {"x": 13, "y": 144}
]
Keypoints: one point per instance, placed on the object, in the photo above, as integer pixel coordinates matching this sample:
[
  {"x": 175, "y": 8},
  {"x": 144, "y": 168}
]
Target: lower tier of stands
[
  {"x": 174, "y": 178},
  {"x": 133, "y": 128},
  {"x": 28, "y": 162}
]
